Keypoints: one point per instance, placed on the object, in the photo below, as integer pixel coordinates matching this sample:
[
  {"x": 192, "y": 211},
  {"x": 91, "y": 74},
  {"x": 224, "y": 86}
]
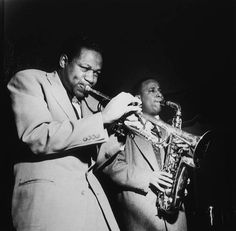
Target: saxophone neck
[
  {"x": 177, "y": 120},
  {"x": 173, "y": 105}
]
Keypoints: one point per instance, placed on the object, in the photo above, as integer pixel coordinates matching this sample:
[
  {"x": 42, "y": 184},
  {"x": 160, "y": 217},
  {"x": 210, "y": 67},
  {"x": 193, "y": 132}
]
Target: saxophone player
[{"x": 134, "y": 174}]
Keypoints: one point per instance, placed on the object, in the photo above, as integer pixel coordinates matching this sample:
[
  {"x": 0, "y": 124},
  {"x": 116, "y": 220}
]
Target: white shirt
[{"x": 76, "y": 104}]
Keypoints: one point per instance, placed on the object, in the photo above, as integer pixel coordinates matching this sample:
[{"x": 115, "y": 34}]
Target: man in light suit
[
  {"x": 60, "y": 127},
  {"x": 136, "y": 174}
]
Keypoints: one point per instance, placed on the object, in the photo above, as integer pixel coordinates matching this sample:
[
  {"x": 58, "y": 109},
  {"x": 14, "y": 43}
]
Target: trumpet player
[
  {"x": 58, "y": 128},
  {"x": 134, "y": 177}
]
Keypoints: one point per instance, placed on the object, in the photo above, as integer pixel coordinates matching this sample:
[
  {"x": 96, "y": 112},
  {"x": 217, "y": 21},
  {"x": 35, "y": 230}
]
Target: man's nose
[
  {"x": 89, "y": 76},
  {"x": 159, "y": 95}
]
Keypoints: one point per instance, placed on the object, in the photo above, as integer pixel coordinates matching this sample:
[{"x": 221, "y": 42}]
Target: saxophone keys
[
  {"x": 168, "y": 192},
  {"x": 188, "y": 181},
  {"x": 185, "y": 192}
]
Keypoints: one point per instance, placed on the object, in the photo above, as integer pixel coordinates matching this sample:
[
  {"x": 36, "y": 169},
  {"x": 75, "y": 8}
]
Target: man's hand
[
  {"x": 161, "y": 180},
  {"x": 120, "y": 105},
  {"x": 134, "y": 121},
  {"x": 180, "y": 144}
]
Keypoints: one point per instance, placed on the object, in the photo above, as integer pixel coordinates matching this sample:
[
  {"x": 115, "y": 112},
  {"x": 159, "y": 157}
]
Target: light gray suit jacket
[{"x": 53, "y": 190}]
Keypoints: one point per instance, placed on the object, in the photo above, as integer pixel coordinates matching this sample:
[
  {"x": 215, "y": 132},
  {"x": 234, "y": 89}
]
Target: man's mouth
[
  {"x": 157, "y": 102},
  {"x": 80, "y": 88}
]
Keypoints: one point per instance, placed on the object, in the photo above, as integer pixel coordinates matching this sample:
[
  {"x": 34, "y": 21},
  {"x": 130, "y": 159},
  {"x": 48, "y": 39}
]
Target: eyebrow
[
  {"x": 157, "y": 87},
  {"x": 86, "y": 65}
]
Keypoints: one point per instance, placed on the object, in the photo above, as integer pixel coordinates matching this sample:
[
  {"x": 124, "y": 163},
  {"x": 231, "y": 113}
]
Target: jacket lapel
[
  {"x": 60, "y": 94},
  {"x": 147, "y": 151}
]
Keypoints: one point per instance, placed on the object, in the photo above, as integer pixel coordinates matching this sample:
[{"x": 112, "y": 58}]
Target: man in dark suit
[
  {"x": 58, "y": 124},
  {"x": 136, "y": 173}
]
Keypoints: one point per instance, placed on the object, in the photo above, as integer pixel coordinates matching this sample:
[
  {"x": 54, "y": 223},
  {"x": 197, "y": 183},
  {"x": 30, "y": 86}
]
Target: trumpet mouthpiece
[
  {"x": 98, "y": 93},
  {"x": 87, "y": 88}
]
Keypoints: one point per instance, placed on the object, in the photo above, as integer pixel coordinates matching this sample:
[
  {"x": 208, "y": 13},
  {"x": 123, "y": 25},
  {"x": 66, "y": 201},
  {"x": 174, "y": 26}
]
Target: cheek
[
  {"x": 75, "y": 74},
  {"x": 157, "y": 108},
  {"x": 147, "y": 107},
  {"x": 95, "y": 81},
  {"x": 76, "y": 77}
]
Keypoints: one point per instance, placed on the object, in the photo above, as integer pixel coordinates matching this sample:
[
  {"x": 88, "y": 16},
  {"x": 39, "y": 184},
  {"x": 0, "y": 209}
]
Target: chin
[
  {"x": 79, "y": 95},
  {"x": 157, "y": 112}
]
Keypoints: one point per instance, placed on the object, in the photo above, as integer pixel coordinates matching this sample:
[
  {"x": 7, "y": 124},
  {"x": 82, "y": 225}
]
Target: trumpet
[
  {"x": 118, "y": 127},
  {"x": 198, "y": 144},
  {"x": 88, "y": 89}
]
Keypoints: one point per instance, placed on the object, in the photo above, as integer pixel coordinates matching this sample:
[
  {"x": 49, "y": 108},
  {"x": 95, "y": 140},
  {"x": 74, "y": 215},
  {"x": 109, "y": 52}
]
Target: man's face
[
  {"x": 82, "y": 71},
  {"x": 151, "y": 97}
]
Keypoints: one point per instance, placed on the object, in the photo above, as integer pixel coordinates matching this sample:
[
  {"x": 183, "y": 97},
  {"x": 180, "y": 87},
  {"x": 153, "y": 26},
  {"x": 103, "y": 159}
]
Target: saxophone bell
[{"x": 202, "y": 147}]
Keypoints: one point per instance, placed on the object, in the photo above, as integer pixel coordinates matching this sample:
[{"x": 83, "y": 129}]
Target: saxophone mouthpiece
[
  {"x": 163, "y": 102},
  {"x": 171, "y": 104}
]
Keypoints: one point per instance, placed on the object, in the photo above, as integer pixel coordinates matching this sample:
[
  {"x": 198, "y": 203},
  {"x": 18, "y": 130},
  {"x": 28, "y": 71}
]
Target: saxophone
[{"x": 177, "y": 160}]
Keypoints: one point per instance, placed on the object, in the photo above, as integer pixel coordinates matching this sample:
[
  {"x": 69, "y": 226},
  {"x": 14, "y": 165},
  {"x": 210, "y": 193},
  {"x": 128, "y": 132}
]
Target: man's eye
[
  {"x": 84, "y": 69},
  {"x": 152, "y": 90},
  {"x": 97, "y": 74}
]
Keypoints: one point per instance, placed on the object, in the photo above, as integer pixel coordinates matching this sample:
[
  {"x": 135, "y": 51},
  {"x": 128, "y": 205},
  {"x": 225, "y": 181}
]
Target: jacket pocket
[{"x": 33, "y": 181}]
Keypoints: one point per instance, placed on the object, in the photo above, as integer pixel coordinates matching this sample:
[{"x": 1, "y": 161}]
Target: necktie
[
  {"x": 76, "y": 107},
  {"x": 157, "y": 150}
]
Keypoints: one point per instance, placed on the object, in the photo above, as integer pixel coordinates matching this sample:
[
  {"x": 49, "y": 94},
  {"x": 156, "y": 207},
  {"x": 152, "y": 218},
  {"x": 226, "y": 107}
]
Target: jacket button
[
  {"x": 107, "y": 156},
  {"x": 82, "y": 193}
]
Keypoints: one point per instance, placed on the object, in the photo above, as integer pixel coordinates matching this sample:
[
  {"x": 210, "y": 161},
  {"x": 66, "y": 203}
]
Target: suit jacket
[
  {"x": 53, "y": 189},
  {"x": 135, "y": 204}
]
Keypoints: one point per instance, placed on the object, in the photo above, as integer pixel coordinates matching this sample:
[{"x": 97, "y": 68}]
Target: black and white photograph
[{"x": 118, "y": 115}]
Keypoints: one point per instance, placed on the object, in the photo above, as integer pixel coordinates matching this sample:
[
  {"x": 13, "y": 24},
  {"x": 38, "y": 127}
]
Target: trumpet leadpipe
[{"x": 89, "y": 89}]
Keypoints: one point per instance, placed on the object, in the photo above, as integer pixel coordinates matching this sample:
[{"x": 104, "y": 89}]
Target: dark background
[{"x": 190, "y": 44}]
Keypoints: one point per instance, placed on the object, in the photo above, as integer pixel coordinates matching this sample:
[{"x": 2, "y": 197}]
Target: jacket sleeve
[
  {"x": 124, "y": 171},
  {"x": 36, "y": 126}
]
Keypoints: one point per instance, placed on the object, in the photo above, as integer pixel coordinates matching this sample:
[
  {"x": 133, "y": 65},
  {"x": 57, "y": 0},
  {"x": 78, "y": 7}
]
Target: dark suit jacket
[{"x": 135, "y": 205}]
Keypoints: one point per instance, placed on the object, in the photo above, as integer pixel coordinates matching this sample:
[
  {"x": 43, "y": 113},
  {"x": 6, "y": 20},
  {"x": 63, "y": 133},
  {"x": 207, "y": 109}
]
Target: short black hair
[
  {"x": 72, "y": 46},
  {"x": 136, "y": 90}
]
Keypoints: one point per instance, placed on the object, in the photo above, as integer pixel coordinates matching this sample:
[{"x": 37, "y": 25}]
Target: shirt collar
[
  {"x": 148, "y": 125},
  {"x": 75, "y": 100}
]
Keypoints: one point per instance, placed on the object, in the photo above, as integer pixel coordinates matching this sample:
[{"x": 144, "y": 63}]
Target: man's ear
[{"x": 63, "y": 61}]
